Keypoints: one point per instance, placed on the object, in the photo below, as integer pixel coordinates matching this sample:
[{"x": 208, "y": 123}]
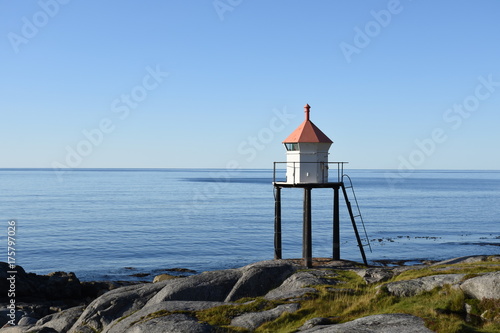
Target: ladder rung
[{"x": 357, "y": 215}]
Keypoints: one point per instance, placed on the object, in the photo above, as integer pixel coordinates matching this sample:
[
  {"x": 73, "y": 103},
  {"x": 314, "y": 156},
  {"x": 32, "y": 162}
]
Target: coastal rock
[
  {"x": 252, "y": 320},
  {"x": 61, "y": 285},
  {"x": 54, "y": 286},
  {"x": 208, "y": 286},
  {"x": 374, "y": 275},
  {"x": 115, "y": 304},
  {"x": 461, "y": 260},
  {"x": 61, "y": 321},
  {"x": 297, "y": 285},
  {"x": 484, "y": 286},
  {"x": 227, "y": 285},
  {"x": 172, "y": 323},
  {"x": 31, "y": 329},
  {"x": 158, "y": 310},
  {"x": 170, "y": 305},
  {"x": 258, "y": 278},
  {"x": 24, "y": 283},
  {"x": 163, "y": 277},
  {"x": 318, "y": 321},
  {"x": 94, "y": 289},
  {"x": 383, "y": 323},
  {"x": 417, "y": 286},
  {"x": 13, "y": 329},
  {"x": 33, "y": 288},
  {"x": 4, "y": 316},
  {"x": 27, "y": 321}
]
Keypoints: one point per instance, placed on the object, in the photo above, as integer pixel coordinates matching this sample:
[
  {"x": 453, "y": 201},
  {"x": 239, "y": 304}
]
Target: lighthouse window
[{"x": 292, "y": 146}]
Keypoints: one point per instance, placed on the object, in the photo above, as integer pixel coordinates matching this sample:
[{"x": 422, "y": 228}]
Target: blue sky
[{"x": 158, "y": 84}]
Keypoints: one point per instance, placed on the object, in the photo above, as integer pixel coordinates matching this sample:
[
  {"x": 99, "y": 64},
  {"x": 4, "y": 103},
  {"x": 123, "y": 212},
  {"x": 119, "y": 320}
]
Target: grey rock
[
  {"x": 57, "y": 285},
  {"x": 94, "y": 289},
  {"x": 383, "y": 323},
  {"x": 174, "y": 323},
  {"x": 208, "y": 286},
  {"x": 462, "y": 260},
  {"x": 400, "y": 269},
  {"x": 85, "y": 329},
  {"x": 227, "y": 285},
  {"x": 13, "y": 329},
  {"x": 61, "y": 321},
  {"x": 374, "y": 275},
  {"x": 163, "y": 277},
  {"x": 252, "y": 320},
  {"x": 484, "y": 286},
  {"x": 314, "y": 322},
  {"x": 258, "y": 278},
  {"x": 298, "y": 284},
  {"x": 115, "y": 304},
  {"x": 468, "y": 312},
  {"x": 27, "y": 321},
  {"x": 123, "y": 324},
  {"x": 41, "y": 330},
  {"x": 24, "y": 285},
  {"x": 5, "y": 316},
  {"x": 26, "y": 329},
  {"x": 61, "y": 285},
  {"x": 418, "y": 286}
]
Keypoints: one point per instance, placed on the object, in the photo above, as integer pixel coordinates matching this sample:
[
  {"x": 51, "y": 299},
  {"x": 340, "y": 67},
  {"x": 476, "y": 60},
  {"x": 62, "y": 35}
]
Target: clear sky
[{"x": 203, "y": 83}]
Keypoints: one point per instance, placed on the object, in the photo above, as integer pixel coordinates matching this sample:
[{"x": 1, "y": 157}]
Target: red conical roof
[{"x": 307, "y": 132}]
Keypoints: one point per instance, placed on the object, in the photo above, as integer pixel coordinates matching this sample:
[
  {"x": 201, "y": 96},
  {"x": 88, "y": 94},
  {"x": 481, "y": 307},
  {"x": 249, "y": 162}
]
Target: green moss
[
  {"x": 471, "y": 270},
  {"x": 288, "y": 322},
  {"x": 125, "y": 317},
  {"x": 222, "y": 315},
  {"x": 91, "y": 328},
  {"x": 158, "y": 314},
  {"x": 469, "y": 276}
]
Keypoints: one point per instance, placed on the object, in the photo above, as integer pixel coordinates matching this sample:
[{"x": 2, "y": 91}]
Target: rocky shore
[{"x": 333, "y": 296}]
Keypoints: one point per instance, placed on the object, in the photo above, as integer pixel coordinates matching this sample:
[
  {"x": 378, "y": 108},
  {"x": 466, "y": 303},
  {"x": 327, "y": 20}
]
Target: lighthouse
[
  {"x": 308, "y": 167},
  {"x": 307, "y": 153}
]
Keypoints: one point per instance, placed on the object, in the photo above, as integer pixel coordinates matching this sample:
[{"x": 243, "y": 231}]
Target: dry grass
[{"x": 443, "y": 309}]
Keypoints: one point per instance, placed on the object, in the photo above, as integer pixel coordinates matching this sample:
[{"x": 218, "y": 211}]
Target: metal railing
[{"x": 323, "y": 166}]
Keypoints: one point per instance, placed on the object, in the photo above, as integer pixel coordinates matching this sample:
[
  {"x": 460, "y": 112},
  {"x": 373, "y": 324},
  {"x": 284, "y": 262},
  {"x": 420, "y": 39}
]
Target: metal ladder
[{"x": 353, "y": 218}]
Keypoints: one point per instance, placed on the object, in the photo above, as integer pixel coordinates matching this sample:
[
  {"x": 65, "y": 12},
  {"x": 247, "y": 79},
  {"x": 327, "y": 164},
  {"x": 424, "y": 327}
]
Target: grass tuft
[{"x": 222, "y": 315}]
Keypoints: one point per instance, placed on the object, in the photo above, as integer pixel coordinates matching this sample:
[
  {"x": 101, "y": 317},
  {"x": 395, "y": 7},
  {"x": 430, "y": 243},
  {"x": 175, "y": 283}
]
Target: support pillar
[
  {"x": 307, "y": 229},
  {"x": 277, "y": 224},
  {"x": 336, "y": 225}
]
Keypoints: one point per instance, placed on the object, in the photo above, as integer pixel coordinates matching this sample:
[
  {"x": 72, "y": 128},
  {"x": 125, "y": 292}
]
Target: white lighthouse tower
[{"x": 307, "y": 153}]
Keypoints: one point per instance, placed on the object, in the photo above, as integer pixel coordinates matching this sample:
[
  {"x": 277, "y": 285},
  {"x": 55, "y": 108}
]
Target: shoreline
[
  {"x": 285, "y": 284},
  {"x": 142, "y": 275}
]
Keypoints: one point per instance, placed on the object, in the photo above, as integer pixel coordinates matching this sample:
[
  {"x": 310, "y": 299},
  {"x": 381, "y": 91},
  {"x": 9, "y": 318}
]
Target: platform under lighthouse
[{"x": 307, "y": 167}]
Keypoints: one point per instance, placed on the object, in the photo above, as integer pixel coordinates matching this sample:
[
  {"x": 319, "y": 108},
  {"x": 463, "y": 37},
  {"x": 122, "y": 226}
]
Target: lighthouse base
[{"x": 307, "y": 221}]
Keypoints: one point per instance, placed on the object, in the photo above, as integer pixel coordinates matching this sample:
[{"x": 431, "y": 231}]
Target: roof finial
[{"x": 306, "y": 110}]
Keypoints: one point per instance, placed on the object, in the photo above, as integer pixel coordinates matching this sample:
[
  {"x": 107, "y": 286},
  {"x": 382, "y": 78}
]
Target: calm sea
[{"x": 107, "y": 224}]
